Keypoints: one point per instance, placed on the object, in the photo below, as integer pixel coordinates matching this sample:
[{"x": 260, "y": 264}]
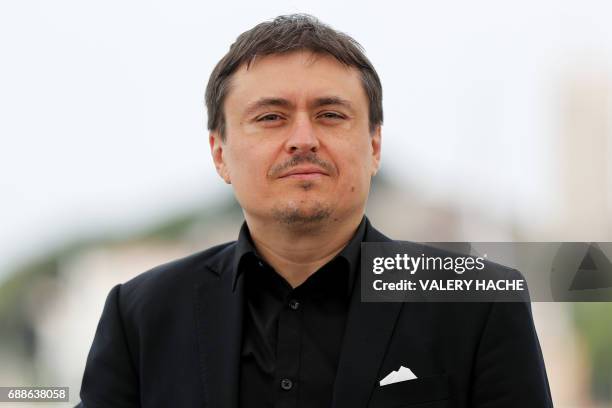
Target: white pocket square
[{"x": 403, "y": 374}]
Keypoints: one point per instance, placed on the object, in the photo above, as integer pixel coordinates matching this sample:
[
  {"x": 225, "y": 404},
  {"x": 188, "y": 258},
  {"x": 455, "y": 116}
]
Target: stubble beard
[{"x": 295, "y": 215}]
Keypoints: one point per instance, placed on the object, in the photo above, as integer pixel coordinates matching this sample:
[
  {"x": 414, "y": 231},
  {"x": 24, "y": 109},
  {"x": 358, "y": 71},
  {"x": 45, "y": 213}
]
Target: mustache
[{"x": 295, "y": 161}]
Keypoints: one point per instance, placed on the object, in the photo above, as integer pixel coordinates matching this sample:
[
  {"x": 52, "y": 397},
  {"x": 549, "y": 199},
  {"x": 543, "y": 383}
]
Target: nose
[{"x": 302, "y": 137}]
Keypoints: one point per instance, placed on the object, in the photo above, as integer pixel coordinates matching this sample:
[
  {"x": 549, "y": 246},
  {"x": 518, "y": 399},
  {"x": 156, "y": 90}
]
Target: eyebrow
[
  {"x": 331, "y": 100},
  {"x": 285, "y": 103},
  {"x": 266, "y": 102}
]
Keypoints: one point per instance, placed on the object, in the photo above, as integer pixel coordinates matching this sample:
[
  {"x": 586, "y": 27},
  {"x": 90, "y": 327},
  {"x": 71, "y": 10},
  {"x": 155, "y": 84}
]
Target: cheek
[
  {"x": 356, "y": 176},
  {"x": 247, "y": 167},
  {"x": 360, "y": 162}
]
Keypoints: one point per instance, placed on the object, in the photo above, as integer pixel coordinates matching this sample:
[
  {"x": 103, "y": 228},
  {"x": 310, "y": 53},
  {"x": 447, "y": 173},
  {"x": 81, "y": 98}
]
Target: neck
[{"x": 296, "y": 253}]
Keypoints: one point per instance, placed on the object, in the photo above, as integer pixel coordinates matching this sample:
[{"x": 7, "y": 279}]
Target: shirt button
[
  {"x": 294, "y": 304},
  {"x": 286, "y": 384},
  {"x": 260, "y": 264}
]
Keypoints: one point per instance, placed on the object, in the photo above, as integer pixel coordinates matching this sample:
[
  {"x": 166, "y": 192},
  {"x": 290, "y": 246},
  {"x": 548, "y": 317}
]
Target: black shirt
[{"x": 291, "y": 338}]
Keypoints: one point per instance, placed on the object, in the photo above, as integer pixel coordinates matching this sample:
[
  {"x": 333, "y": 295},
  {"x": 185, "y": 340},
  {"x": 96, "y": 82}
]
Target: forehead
[{"x": 298, "y": 76}]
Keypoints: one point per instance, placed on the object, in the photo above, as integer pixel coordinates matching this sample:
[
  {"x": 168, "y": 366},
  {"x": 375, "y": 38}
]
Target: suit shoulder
[{"x": 181, "y": 272}]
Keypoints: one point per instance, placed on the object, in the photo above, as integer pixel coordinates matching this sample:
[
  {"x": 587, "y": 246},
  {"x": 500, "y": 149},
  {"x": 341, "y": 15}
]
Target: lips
[{"x": 307, "y": 172}]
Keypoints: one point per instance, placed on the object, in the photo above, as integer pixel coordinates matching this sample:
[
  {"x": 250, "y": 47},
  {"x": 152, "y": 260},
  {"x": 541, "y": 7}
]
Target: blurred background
[{"x": 498, "y": 121}]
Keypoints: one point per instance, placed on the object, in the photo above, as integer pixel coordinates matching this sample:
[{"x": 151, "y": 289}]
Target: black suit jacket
[{"x": 171, "y": 337}]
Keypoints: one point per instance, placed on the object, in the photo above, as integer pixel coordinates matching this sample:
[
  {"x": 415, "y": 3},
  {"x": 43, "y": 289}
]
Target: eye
[
  {"x": 270, "y": 117},
  {"x": 331, "y": 115}
]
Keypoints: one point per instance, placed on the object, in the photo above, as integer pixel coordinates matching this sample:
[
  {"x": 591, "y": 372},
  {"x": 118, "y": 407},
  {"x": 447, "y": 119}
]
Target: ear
[
  {"x": 375, "y": 140},
  {"x": 216, "y": 150}
]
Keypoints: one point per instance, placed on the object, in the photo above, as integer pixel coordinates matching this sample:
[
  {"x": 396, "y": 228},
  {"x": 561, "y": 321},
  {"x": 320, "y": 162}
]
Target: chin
[{"x": 293, "y": 213}]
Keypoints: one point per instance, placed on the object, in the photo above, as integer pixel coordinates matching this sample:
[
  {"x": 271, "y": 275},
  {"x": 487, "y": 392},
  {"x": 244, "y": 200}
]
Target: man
[{"x": 275, "y": 318}]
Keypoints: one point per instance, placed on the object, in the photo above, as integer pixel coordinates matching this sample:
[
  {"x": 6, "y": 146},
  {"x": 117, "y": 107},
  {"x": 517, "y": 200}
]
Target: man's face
[{"x": 298, "y": 147}]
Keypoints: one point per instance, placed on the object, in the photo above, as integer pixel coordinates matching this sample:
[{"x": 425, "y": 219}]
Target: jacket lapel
[
  {"x": 219, "y": 332},
  {"x": 369, "y": 327}
]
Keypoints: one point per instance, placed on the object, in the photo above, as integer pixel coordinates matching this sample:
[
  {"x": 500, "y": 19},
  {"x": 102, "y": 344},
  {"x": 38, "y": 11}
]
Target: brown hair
[{"x": 284, "y": 34}]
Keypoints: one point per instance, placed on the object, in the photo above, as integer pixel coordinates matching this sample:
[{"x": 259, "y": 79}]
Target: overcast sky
[{"x": 101, "y": 103}]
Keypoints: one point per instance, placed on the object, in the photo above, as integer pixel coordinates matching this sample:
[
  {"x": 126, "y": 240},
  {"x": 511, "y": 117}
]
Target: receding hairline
[{"x": 313, "y": 55}]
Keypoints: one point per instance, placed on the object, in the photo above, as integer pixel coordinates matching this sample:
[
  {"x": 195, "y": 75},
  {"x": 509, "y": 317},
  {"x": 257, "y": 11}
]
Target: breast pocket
[{"x": 427, "y": 392}]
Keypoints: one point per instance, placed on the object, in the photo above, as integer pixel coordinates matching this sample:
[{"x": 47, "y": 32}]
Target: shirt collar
[{"x": 351, "y": 253}]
